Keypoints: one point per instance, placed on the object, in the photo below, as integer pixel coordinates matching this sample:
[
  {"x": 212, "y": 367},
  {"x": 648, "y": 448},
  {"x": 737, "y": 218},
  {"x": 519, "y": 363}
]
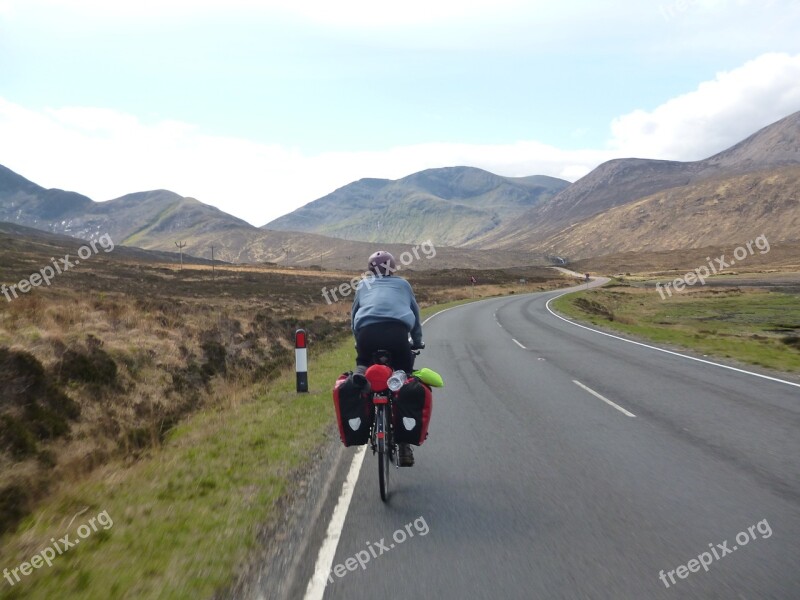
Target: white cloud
[
  {"x": 104, "y": 153},
  {"x": 716, "y": 115}
]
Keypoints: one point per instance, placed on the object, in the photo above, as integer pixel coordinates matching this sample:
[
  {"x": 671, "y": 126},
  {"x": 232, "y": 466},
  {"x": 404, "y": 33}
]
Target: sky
[{"x": 260, "y": 106}]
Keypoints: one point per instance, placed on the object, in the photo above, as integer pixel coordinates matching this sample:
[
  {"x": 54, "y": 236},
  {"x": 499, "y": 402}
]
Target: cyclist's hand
[{"x": 420, "y": 346}]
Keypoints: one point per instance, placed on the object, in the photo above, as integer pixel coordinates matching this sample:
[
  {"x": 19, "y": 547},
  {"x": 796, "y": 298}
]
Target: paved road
[{"x": 531, "y": 486}]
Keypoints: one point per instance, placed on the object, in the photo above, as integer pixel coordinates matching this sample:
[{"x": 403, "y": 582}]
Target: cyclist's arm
[
  {"x": 353, "y": 312},
  {"x": 416, "y": 331}
]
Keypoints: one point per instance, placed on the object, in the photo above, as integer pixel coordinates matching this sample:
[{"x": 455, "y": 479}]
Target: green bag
[{"x": 429, "y": 377}]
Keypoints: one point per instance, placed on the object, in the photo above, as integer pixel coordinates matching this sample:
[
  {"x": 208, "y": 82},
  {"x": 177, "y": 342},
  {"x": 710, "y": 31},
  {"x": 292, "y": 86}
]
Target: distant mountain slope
[
  {"x": 620, "y": 181},
  {"x": 131, "y": 219},
  {"x": 256, "y": 246},
  {"x": 451, "y": 206},
  {"x": 158, "y": 214},
  {"x": 24, "y": 202},
  {"x": 311, "y": 249},
  {"x": 725, "y": 211},
  {"x": 17, "y": 238}
]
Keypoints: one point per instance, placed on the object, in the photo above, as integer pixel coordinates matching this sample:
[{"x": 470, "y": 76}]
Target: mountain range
[
  {"x": 156, "y": 220},
  {"x": 587, "y": 217},
  {"x": 483, "y": 219}
]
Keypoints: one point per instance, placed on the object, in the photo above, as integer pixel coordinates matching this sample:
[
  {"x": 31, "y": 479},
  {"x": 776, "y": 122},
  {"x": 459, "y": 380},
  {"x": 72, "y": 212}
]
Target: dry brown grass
[{"x": 164, "y": 370}]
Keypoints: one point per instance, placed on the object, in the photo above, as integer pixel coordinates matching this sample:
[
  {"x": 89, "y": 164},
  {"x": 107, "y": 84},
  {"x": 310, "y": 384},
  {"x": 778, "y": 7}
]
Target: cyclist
[{"x": 384, "y": 314}]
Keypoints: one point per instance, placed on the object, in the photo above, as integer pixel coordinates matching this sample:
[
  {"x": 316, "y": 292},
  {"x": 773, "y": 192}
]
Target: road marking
[
  {"x": 327, "y": 552},
  {"x": 603, "y": 398},
  {"x": 707, "y": 362},
  {"x": 444, "y": 311},
  {"x": 518, "y": 344}
]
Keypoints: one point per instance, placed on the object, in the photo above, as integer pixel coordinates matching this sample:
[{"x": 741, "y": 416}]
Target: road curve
[{"x": 563, "y": 463}]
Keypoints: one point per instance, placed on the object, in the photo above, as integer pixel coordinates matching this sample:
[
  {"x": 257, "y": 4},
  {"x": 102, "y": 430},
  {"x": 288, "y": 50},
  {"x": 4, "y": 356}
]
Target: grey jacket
[{"x": 381, "y": 299}]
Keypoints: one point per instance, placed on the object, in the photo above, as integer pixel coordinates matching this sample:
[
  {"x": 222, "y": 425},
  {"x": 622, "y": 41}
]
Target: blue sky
[{"x": 258, "y": 107}]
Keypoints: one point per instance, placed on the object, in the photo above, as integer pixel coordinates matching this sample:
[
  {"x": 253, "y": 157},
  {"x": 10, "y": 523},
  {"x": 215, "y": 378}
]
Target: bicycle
[{"x": 382, "y": 433}]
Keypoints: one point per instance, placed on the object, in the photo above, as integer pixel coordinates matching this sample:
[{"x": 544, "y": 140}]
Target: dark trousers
[{"x": 391, "y": 336}]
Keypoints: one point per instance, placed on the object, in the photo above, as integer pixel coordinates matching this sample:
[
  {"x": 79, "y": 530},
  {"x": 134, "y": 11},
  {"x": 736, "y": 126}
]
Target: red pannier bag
[
  {"x": 353, "y": 411},
  {"x": 412, "y": 412}
]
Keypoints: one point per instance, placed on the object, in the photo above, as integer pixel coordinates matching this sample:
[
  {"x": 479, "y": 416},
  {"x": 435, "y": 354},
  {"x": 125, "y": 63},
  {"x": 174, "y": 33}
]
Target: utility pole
[
  {"x": 181, "y": 246},
  {"x": 286, "y": 250},
  {"x": 213, "y": 270}
]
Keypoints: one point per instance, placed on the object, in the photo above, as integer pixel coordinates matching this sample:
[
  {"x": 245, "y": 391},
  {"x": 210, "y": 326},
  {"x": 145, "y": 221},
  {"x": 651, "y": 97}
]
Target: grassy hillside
[
  {"x": 753, "y": 326},
  {"x": 289, "y": 248}
]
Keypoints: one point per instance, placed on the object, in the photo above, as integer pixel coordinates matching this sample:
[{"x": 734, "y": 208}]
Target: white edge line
[
  {"x": 603, "y": 398},
  {"x": 451, "y": 308},
  {"x": 707, "y": 362},
  {"x": 327, "y": 552},
  {"x": 518, "y": 344}
]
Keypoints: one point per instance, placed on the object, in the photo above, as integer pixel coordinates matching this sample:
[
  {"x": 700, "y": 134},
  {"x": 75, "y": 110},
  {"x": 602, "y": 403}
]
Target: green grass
[
  {"x": 753, "y": 326},
  {"x": 185, "y": 517}
]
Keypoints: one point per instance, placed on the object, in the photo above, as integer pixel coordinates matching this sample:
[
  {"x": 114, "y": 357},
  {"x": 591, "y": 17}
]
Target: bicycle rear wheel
[{"x": 384, "y": 465}]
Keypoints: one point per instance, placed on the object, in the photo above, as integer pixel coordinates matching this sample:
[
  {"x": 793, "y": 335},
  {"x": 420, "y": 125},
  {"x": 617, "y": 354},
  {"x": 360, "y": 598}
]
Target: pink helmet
[{"x": 382, "y": 263}]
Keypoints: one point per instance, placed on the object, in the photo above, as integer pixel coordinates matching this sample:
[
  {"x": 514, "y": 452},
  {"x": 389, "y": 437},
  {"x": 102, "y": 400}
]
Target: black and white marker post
[{"x": 301, "y": 360}]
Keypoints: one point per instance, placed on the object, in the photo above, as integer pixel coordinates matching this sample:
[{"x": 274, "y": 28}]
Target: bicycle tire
[{"x": 383, "y": 452}]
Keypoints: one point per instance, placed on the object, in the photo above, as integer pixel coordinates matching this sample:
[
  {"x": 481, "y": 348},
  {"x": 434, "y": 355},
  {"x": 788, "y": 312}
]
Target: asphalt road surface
[{"x": 536, "y": 481}]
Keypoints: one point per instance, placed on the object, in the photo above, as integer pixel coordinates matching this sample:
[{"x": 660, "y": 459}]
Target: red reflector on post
[
  {"x": 300, "y": 338},
  {"x": 301, "y": 360}
]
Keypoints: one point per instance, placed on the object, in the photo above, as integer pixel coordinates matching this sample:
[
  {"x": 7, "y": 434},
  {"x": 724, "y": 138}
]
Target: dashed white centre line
[
  {"x": 518, "y": 344},
  {"x": 603, "y": 398}
]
